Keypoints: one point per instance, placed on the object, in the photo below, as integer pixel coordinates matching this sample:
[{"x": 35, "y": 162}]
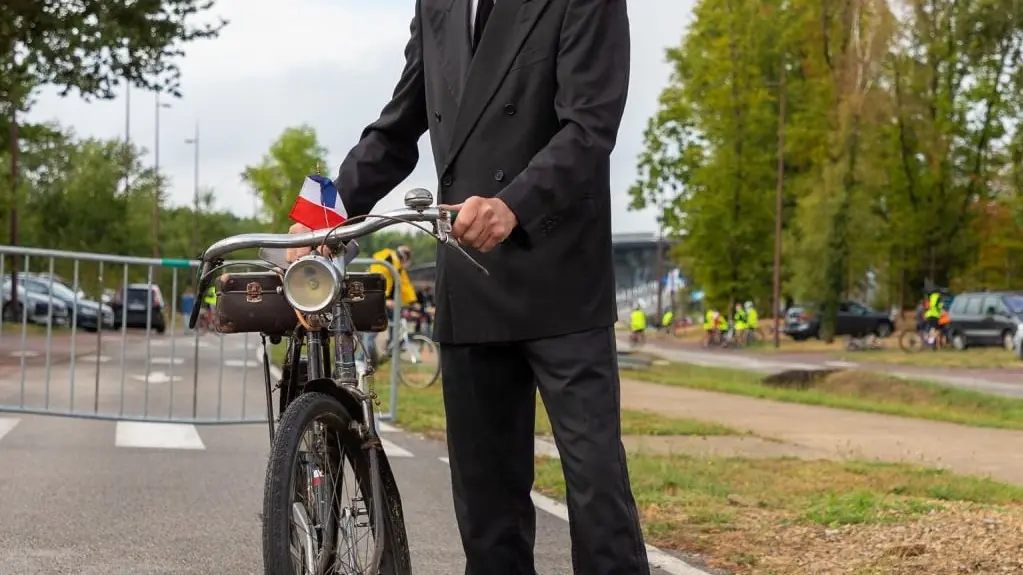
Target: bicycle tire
[
  {"x": 905, "y": 339},
  {"x": 416, "y": 383},
  {"x": 278, "y": 487}
]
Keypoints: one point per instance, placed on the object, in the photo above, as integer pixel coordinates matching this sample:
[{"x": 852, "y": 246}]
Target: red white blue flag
[{"x": 318, "y": 205}]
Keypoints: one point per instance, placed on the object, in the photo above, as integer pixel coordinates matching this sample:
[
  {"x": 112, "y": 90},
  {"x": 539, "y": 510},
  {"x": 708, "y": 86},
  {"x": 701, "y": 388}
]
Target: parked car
[
  {"x": 85, "y": 313},
  {"x": 138, "y": 298},
  {"x": 36, "y": 306},
  {"x": 980, "y": 319},
  {"x": 854, "y": 319}
]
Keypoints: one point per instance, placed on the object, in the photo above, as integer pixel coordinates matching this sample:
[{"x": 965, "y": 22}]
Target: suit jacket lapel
[
  {"x": 447, "y": 18},
  {"x": 509, "y": 24}
]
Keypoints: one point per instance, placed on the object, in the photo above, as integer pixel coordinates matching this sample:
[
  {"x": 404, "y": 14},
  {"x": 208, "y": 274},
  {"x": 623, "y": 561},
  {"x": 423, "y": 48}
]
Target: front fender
[{"x": 342, "y": 394}]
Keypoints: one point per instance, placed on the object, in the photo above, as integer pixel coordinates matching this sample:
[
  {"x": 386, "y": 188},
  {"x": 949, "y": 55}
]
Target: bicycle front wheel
[
  {"x": 910, "y": 341},
  {"x": 419, "y": 367},
  {"x": 318, "y": 497}
]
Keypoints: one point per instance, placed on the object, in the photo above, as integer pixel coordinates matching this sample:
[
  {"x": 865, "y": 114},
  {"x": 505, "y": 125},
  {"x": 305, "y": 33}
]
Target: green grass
[
  {"x": 682, "y": 496},
  {"x": 854, "y": 390},
  {"x": 422, "y": 411}
]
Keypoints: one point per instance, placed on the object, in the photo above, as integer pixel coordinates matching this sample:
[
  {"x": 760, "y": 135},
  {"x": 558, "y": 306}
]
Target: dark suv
[
  {"x": 137, "y": 305},
  {"x": 854, "y": 319},
  {"x": 978, "y": 319}
]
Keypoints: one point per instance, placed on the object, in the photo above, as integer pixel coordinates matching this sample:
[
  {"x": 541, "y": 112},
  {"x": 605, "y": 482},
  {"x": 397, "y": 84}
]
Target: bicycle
[
  {"x": 317, "y": 303},
  {"x": 419, "y": 357},
  {"x": 636, "y": 340},
  {"x": 914, "y": 340}
]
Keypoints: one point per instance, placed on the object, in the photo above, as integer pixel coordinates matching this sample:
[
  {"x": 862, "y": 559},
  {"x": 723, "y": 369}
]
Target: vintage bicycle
[{"x": 324, "y": 440}]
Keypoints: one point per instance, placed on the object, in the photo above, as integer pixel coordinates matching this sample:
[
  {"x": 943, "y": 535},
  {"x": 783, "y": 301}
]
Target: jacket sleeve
[
  {"x": 388, "y": 149},
  {"x": 593, "y": 81}
]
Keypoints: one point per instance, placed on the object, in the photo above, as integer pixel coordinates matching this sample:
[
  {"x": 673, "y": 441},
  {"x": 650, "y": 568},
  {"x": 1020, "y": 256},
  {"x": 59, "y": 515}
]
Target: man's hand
[
  {"x": 482, "y": 223},
  {"x": 295, "y": 253}
]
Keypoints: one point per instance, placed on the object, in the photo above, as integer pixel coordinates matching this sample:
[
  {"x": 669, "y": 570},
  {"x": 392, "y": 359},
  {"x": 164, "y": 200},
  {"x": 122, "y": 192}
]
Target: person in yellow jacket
[
  {"x": 666, "y": 321},
  {"x": 637, "y": 325},
  {"x": 709, "y": 321},
  {"x": 400, "y": 258},
  {"x": 932, "y": 315}
]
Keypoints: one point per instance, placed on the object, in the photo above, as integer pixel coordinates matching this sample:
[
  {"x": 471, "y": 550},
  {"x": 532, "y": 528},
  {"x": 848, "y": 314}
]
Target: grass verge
[
  {"x": 854, "y": 390},
  {"x": 794, "y": 516},
  {"x": 422, "y": 411}
]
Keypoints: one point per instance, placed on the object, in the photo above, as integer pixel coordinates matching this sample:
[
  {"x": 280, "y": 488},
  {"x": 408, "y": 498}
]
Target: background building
[{"x": 635, "y": 266}]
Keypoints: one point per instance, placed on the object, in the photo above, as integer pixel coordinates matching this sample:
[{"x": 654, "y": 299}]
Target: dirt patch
[{"x": 955, "y": 539}]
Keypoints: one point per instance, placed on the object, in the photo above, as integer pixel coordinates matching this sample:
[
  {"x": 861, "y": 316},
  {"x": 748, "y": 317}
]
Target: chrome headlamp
[{"x": 312, "y": 284}]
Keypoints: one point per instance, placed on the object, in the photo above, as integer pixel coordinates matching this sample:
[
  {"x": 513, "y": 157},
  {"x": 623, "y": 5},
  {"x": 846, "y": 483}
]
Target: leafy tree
[{"x": 278, "y": 177}]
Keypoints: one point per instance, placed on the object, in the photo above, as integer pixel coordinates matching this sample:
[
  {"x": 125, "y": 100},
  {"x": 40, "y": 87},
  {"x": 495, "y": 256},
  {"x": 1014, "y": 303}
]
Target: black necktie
[{"x": 482, "y": 15}]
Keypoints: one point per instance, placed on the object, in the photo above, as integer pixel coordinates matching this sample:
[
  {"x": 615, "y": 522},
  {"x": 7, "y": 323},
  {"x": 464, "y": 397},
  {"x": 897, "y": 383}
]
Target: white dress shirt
[{"x": 473, "y": 6}]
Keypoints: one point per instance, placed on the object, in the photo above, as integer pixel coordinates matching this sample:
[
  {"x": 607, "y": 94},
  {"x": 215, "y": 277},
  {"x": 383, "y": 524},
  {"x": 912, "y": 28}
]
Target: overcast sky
[{"x": 331, "y": 64}]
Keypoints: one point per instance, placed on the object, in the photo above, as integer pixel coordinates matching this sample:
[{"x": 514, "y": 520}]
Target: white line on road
[
  {"x": 6, "y": 425},
  {"x": 393, "y": 450},
  {"x": 156, "y": 377},
  {"x": 655, "y": 556},
  {"x": 241, "y": 363},
  {"x": 98, "y": 359},
  {"x": 26, "y": 353},
  {"x": 154, "y": 435},
  {"x": 845, "y": 364},
  {"x": 167, "y": 360}
]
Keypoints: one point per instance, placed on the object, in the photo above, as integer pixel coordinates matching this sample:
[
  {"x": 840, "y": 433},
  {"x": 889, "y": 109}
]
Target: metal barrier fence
[{"x": 122, "y": 355}]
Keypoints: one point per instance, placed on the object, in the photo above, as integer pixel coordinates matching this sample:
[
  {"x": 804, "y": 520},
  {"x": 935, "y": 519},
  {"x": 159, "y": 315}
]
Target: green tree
[{"x": 277, "y": 178}]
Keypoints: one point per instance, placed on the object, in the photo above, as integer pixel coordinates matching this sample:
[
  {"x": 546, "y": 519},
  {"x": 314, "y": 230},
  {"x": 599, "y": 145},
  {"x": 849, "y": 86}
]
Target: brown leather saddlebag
[{"x": 253, "y": 302}]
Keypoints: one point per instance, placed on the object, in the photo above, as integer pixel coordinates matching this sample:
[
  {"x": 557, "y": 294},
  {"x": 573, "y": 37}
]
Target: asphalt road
[{"x": 87, "y": 497}]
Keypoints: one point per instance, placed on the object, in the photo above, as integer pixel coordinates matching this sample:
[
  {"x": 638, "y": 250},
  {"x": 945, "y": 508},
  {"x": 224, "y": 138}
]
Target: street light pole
[
  {"x": 778, "y": 206},
  {"x": 159, "y": 179},
  {"x": 127, "y": 137},
  {"x": 195, "y": 214}
]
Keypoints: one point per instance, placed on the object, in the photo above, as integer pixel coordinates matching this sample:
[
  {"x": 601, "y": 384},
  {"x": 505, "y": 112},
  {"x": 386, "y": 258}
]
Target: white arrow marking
[{"x": 156, "y": 377}]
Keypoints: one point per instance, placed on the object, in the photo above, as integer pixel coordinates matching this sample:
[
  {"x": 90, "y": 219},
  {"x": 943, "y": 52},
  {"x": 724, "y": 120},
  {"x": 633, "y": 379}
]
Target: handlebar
[{"x": 418, "y": 210}]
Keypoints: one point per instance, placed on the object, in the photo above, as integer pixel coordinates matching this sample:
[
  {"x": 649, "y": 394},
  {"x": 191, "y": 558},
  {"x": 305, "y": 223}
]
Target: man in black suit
[{"x": 523, "y": 100}]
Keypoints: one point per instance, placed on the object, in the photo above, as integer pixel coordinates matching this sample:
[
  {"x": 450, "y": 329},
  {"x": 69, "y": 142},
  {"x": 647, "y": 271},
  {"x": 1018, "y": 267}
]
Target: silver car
[{"x": 37, "y": 307}]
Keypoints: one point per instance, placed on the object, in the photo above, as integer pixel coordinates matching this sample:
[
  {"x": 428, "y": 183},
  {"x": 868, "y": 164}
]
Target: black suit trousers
[{"x": 489, "y": 396}]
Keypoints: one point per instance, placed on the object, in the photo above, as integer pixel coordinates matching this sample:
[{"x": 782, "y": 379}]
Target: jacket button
[
  {"x": 509, "y": 109},
  {"x": 446, "y": 180},
  {"x": 499, "y": 175},
  {"x": 437, "y": 116}
]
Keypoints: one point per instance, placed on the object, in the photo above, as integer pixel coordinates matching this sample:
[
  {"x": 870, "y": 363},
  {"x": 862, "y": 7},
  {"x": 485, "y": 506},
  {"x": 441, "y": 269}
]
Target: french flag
[{"x": 318, "y": 205}]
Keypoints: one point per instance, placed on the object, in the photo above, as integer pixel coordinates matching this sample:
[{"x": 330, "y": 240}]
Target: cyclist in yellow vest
[
  {"x": 637, "y": 325},
  {"x": 666, "y": 320},
  {"x": 752, "y": 320},
  {"x": 400, "y": 258},
  {"x": 932, "y": 315},
  {"x": 709, "y": 321},
  {"x": 739, "y": 317}
]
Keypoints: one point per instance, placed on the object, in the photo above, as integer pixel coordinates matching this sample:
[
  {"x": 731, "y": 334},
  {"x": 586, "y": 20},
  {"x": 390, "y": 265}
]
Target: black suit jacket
[{"x": 532, "y": 119}]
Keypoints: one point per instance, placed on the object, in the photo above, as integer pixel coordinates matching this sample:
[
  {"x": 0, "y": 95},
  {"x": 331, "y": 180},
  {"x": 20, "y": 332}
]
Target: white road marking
[
  {"x": 154, "y": 435},
  {"x": 94, "y": 358},
  {"x": 26, "y": 353},
  {"x": 846, "y": 364},
  {"x": 657, "y": 558},
  {"x": 545, "y": 448},
  {"x": 167, "y": 360},
  {"x": 393, "y": 450},
  {"x": 241, "y": 363},
  {"x": 156, "y": 377},
  {"x": 6, "y": 425}
]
